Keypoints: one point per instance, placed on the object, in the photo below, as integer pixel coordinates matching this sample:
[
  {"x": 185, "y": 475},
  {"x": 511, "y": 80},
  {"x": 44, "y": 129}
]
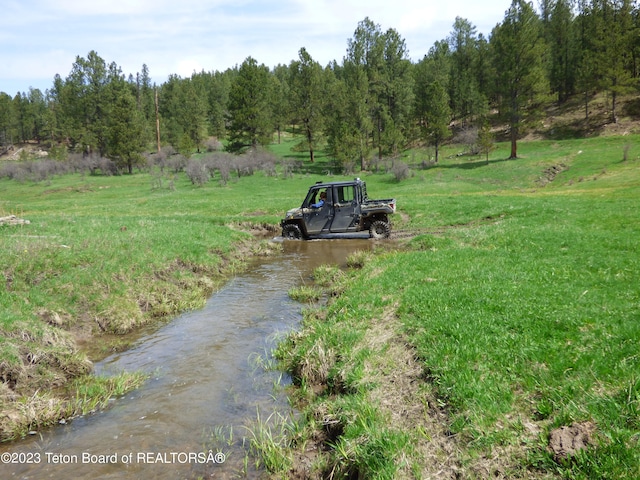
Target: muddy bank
[{"x": 47, "y": 363}]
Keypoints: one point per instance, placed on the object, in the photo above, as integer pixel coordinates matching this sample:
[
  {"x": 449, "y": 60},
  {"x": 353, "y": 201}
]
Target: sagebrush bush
[
  {"x": 213, "y": 145},
  {"x": 197, "y": 172},
  {"x": 400, "y": 171}
]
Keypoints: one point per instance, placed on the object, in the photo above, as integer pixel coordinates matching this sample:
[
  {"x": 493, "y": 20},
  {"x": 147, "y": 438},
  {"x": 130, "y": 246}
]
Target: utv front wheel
[
  {"x": 291, "y": 231},
  {"x": 379, "y": 229}
]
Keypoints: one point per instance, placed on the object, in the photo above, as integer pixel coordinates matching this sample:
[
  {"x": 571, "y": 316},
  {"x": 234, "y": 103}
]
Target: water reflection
[{"x": 202, "y": 376}]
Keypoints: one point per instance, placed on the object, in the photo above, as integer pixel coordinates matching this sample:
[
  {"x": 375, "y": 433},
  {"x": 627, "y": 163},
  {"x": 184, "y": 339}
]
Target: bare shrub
[
  {"x": 213, "y": 145},
  {"x": 150, "y": 160},
  {"x": 269, "y": 170},
  {"x": 13, "y": 171},
  {"x": 225, "y": 172},
  {"x": 34, "y": 170},
  {"x": 469, "y": 138},
  {"x": 287, "y": 170},
  {"x": 220, "y": 162},
  {"x": 93, "y": 164},
  {"x": 107, "y": 166},
  {"x": 348, "y": 167},
  {"x": 168, "y": 150},
  {"x": 426, "y": 164},
  {"x": 76, "y": 162},
  {"x": 289, "y": 167},
  {"x": 252, "y": 161},
  {"x": 241, "y": 165},
  {"x": 177, "y": 163},
  {"x": 160, "y": 159},
  {"x": 197, "y": 172},
  {"x": 400, "y": 171},
  {"x": 84, "y": 163},
  {"x": 157, "y": 178},
  {"x": 264, "y": 160},
  {"x": 39, "y": 171}
]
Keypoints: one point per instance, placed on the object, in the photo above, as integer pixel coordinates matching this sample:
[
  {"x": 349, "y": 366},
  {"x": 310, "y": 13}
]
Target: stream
[{"x": 206, "y": 384}]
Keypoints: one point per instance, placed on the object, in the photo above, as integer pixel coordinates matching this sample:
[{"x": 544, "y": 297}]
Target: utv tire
[
  {"x": 291, "y": 231},
  {"x": 379, "y": 229}
]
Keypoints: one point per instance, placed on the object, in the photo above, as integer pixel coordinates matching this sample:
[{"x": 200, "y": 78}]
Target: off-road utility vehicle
[{"x": 346, "y": 209}]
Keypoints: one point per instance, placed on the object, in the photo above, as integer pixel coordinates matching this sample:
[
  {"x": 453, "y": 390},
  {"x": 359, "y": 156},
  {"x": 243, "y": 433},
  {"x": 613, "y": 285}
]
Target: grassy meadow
[
  {"x": 520, "y": 304},
  {"x": 506, "y": 308}
]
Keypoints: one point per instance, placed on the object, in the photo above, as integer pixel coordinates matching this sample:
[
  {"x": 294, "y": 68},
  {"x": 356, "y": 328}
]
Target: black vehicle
[{"x": 346, "y": 209}]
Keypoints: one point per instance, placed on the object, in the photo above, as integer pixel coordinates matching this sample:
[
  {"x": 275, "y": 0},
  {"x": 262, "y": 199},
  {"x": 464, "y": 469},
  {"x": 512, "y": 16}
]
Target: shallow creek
[{"x": 204, "y": 380}]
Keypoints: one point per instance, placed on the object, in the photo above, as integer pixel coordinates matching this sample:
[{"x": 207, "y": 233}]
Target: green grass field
[
  {"x": 522, "y": 306},
  {"x": 507, "y": 309}
]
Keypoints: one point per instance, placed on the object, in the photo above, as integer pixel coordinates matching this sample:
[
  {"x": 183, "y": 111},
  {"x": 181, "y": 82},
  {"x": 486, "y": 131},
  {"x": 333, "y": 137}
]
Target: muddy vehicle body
[{"x": 347, "y": 209}]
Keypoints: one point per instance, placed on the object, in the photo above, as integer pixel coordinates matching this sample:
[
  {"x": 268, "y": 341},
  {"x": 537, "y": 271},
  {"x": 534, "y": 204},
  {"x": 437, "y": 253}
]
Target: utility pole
[{"x": 157, "y": 121}]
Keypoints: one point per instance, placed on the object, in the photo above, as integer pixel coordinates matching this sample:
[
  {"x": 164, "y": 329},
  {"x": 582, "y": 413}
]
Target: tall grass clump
[{"x": 269, "y": 442}]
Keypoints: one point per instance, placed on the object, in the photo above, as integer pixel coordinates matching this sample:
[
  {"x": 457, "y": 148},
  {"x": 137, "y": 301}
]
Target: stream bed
[{"x": 205, "y": 386}]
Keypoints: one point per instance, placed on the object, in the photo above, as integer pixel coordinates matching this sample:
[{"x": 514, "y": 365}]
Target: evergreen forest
[{"x": 374, "y": 102}]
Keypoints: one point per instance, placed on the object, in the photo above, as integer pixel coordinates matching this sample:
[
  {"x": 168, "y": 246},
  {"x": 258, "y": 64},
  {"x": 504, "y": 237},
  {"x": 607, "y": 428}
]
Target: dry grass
[{"x": 405, "y": 398}]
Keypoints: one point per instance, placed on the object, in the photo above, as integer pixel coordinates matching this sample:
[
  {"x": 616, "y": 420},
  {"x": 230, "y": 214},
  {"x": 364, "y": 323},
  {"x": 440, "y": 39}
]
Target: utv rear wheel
[
  {"x": 379, "y": 229},
  {"x": 291, "y": 231}
]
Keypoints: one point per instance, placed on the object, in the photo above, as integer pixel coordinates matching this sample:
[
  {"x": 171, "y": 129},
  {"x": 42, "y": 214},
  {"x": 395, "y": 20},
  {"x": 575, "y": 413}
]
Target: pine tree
[
  {"x": 125, "y": 139},
  {"x": 308, "y": 98},
  {"x": 519, "y": 60},
  {"x": 432, "y": 111},
  {"x": 467, "y": 102},
  {"x": 249, "y": 112}
]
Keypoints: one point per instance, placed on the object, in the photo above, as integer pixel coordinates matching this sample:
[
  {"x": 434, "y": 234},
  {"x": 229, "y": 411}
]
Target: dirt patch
[
  {"x": 566, "y": 441},
  {"x": 18, "y": 151},
  {"x": 550, "y": 174},
  {"x": 257, "y": 229},
  {"x": 13, "y": 220},
  {"x": 403, "y": 394}
]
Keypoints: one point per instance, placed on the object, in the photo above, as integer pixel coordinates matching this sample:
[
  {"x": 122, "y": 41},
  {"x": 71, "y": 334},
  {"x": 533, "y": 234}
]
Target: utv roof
[{"x": 321, "y": 184}]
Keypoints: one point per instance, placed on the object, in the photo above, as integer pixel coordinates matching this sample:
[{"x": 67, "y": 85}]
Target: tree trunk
[
  {"x": 513, "y": 134},
  {"x": 310, "y": 141},
  {"x": 514, "y": 144},
  {"x": 157, "y": 122},
  {"x": 614, "y": 113},
  {"x": 586, "y": 105}
]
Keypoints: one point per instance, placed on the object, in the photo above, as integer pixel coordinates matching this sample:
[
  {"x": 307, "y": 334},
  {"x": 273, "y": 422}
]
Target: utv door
[
  {"x": 345, "y": 209},
  {"x": 318, "y": 220}
]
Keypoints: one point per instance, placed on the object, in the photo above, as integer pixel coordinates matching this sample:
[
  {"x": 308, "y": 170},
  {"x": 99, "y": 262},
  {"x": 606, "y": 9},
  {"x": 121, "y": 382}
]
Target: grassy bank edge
[
  {"x": 370, "y": 407},
  {"x": 367, "y": 409},
  {"x": 75, "y": 390}
]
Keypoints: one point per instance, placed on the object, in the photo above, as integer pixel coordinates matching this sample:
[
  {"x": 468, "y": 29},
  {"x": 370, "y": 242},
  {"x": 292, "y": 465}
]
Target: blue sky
[{"x": 42, "y": 38}]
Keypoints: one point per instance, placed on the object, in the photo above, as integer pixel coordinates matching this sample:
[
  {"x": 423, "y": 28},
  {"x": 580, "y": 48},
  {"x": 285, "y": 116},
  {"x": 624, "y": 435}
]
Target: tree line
[{"x": 375, "y": 102}]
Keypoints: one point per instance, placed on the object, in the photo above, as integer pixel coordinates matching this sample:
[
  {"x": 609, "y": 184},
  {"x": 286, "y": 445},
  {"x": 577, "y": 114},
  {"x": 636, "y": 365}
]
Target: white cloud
[{"x": 43, "y": 37}]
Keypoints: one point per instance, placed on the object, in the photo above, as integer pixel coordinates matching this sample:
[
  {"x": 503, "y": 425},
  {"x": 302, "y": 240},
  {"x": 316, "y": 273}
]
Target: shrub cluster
[
  {"x": 399, "y": 169},
  {"x": 167, "y": 161},
  {"x": 201, "y": 171},
  {"x": 43, "y": 169}
]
